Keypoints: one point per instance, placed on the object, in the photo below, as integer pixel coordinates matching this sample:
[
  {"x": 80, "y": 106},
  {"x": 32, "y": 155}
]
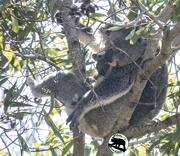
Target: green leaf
[
  {"x": 165, "y": 116},
  {"x": 158, "y": 141},
  {"x": 137, "y": 35},
  {"x": 131, "y": 34},
  {"x": 115, "y": 28},
  {"x": 15, "y": 25},
  {"x": 19, "y": 115},
  {"x": 18, "y": 92},
  {"x": 8, "y": 97},
  {"x": 51, "y": 6},
  {"x": 132, "y": 14},
  {"x": 66, "y": 148},
  {"x": 99, "y": 15},
  {"x": 16, "y": 104},
  {"x": 23, "y": 144},
  {"x": 3, "y": 80},
  {"x": 48, "y": 153},
  {"x": 133, "y": 152},
  {"x": 52, "y": 104},
  {"x": 7, "y": 51},
  {"x": 53, "y": 152},
  {"x": 87, "y": 151},
  {"x": 37, "y": 148},
  {"x": 26, "y": 31},
  {"x": 51, "y": 136},
  {"x": 142, "y": 151},
  {"x": 177, "y": 147},
  {"x": 4, "y": 2},
  {"x": 53, "y": 126},
  {"x": 2, "y": 153}
]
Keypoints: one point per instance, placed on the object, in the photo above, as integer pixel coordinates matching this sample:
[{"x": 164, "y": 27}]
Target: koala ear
[
  {"x": 112, "y": 64},
  {"x": 95, "y": 57}
]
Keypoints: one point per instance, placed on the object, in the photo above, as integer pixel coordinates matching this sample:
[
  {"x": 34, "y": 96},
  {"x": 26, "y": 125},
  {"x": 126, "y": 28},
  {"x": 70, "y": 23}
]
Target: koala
[
  {"x": 100, "y": 110},
  {"x": 155, "y": 97},
  {"x": 113, "y": 57},
  {"x": 87, "y": 109},
  {"x": 96, "y": 111},
  {"x": 65, "y": 86},
  {"x": 102, "y": 41},
  {"x": 118, "y": 50},
  {"x": 151, "y": 95}
]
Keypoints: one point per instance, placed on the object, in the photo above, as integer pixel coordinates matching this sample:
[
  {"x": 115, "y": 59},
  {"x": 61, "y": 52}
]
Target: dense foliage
[{"x": 33, "y": 44}]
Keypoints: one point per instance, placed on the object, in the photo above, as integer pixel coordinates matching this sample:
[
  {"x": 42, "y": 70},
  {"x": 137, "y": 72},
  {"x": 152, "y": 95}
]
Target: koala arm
[
  {"x": 86, "y": 37},
  {"x": 84, "y": 33},
  {"x": 109, "y": 89}
]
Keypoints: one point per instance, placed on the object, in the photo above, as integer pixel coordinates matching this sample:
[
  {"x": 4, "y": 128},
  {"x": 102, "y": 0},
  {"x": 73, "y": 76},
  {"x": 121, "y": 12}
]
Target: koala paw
[
  {"x": 30, "y": 82},
  {"x": 73, "y": 118}
]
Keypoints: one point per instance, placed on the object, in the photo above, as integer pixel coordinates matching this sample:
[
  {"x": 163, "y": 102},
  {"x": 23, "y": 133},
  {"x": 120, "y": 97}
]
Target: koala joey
[{"x": 152, "y": 97}]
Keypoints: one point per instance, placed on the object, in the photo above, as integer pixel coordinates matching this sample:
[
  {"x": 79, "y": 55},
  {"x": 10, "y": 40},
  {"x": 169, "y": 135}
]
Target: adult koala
[{"x": 96, "y": 111}]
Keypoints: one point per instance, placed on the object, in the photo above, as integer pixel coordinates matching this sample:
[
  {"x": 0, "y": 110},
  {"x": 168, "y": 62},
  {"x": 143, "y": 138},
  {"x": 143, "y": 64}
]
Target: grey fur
[
  {"x": 127, "y": 53},
  {"x": 96, "y": 113},
  {"x": 134, "y": 52},
  {"x": 64, "y": 85},
  {"x": 152, "y": 97},
  {"x": 99, "y": 114},
  {"x": 90, "y": 113},
  {"x": 156, "y": 96}
]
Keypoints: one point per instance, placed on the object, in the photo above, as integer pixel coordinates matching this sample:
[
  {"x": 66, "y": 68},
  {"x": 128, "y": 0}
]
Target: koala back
[
  {"x": 151, "y": 95},
  {"x": 129, "y": 52},
  {"x": 65, "y": 86}
]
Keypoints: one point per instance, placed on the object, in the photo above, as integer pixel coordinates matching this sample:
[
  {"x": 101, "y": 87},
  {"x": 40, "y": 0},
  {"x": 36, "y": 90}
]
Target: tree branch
[
  {"x": 146, "y": 12},
  {"x": 142, "y": 130},
  {"x": 78, "y": 63},
  {"x": 166, "y": 13},
  {"x": 40, "y": 57}
]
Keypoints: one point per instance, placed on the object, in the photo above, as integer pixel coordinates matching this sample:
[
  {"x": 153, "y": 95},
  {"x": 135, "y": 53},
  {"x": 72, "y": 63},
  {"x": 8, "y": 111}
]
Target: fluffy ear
[{"x": 95, "y": 57}]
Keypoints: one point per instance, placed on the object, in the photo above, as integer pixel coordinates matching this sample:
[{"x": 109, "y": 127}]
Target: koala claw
[
  {"x": 73, "y": 119},
  {"x": 73, "y": 124},
  {"x": 69, "y": 118}
]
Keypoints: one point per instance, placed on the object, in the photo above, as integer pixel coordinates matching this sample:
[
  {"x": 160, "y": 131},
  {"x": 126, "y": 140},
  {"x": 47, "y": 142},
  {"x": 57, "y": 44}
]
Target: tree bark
[{"x": 78, "y": 65}]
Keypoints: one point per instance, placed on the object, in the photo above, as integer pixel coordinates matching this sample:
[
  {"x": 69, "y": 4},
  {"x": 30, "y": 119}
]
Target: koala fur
[
  {"x": 95, "y": 113},
  {"x": 65, "y": 86},
  {"x": 100, "y": 111},
  {"x": 153, "y": 94},
  {"x": 159, "y": 78}
]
